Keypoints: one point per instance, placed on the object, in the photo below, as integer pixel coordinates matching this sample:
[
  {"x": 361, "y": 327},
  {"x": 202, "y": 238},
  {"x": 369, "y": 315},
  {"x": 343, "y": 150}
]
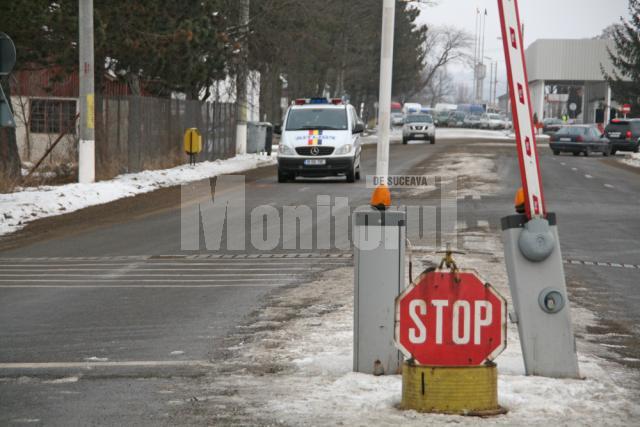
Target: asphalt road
[
  {"x": 109, "y": 287},
  {"x": 110, "y": 284}
]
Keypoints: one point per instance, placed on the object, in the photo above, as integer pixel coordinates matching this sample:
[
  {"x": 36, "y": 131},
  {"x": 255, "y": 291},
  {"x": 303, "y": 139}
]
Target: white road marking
[
  {"x": 242, "y": 282},
  {"x": 254, "y": 285},
  {"x": 574, "y": 169},
  {"x": 328, "y": 262},
  {"x": 177, "y": 276},
  {"x": 588, "y": 176},
  {"x": 609, "y": 186},
  {"x": 304, "y": 189},
  {"x": 563, "y": 163},
  {"x": 55, "y": 269},
  {"x": 133, "y": 364}
]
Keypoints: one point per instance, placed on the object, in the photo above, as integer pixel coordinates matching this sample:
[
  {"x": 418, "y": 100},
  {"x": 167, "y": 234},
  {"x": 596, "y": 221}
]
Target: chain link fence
[{"x": 139, "y": 133}]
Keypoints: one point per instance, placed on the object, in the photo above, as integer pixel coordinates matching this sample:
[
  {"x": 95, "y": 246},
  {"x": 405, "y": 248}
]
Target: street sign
[
  {"x": 626, "y": 108},
  {"x": 7, "y": 54},
  {"x": 451, "y": 319},
  {"x": 521, "y": 106}
]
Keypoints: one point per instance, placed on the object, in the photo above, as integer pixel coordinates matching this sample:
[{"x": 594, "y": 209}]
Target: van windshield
[{"x": 317, "y": 119}]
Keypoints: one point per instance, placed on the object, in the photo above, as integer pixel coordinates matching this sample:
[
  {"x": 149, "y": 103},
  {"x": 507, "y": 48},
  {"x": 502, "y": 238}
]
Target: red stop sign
[
  {"x": 444, "y": 322},
  {"x": 626, "y": 108}
]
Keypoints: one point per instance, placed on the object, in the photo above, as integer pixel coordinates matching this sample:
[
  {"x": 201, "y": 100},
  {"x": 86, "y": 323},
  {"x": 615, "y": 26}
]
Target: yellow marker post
[{"x": 192, "y": 144}]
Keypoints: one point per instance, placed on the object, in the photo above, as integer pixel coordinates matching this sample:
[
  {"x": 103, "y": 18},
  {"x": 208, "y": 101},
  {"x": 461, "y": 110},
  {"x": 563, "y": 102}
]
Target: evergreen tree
[{"x": 625, "y": 56}]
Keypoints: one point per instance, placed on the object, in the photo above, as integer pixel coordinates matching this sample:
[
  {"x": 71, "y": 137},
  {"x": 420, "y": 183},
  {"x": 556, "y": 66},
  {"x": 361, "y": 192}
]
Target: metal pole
[
  {"x": 475, "y": 56},
  {"x": 607, "y": 106},
  {"x": 490, "y": 83},
  {"x": 483, "y": 75},
  {"x": 241, "y": 81},
  {"x": 86, "y": 149},
  {"x": 386, "y": 72},
  {"x": 495, "y": 84}
]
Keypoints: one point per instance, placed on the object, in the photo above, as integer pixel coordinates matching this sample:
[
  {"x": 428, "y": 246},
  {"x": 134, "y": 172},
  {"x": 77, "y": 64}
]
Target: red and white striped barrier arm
[{"x": 521, "y": 108}]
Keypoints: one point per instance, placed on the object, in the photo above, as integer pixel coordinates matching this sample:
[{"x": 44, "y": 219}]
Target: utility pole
[
  {"x": 241, "y": 80},
  {"x": 386, "y": 76},
  {"x": 87, "y": 149}
]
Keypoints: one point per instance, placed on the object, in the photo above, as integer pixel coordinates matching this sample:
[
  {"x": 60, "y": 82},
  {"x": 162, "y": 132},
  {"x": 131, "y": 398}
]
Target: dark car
[
  {"x": 623, "y": 134},
  {"x": 578, "y": 139},
  {"x": 551, "y": 125},
  {"x": 456, "y": 119},
  {"x": 441, "y": 118}
]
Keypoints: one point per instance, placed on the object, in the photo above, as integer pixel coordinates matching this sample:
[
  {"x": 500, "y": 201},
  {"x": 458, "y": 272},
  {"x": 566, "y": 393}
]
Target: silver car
[{"x": 419, "y": 126}]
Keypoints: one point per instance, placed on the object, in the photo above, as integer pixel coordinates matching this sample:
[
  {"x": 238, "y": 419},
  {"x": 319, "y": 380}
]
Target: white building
[{"x": 566, "y": 77}]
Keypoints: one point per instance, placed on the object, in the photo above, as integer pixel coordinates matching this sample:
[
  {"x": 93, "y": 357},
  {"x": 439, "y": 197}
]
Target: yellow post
[{"x": 192, "y": 143}]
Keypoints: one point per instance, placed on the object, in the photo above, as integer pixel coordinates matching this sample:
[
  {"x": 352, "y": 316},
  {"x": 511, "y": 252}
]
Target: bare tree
[
  {"x": 443, "y": 46},
  {"x": 463, "y": 94},
  {"x": 440, "y": 88}
]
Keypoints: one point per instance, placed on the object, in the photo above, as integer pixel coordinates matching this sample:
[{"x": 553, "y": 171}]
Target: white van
[{"x": 319, "y": 137}]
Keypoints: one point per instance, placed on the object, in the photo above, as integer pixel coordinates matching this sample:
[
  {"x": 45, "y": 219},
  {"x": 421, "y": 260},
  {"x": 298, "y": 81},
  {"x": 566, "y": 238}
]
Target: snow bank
[
  {"x": 631, "y": 159},
  {"x": 29, "y": 204}
]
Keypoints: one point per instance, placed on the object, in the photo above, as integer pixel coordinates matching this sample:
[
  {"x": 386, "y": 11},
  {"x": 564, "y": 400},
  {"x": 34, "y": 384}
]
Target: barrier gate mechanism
[{"x": 531, "y": 244}]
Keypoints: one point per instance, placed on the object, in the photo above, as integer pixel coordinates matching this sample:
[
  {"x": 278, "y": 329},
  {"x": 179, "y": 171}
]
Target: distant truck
[
  {"x": 446, "y": 107},
  {"x": 475, "y": 109}
]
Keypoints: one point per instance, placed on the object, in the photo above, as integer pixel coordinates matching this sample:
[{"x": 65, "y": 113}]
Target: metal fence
[{"x": 139, "y": 133}]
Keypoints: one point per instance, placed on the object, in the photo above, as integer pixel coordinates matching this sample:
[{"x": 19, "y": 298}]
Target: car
[
  {"x": 397, "y": 118},
  {"x": 419, "y": 126},
  {"x": 441, "y": 118},
  {"x": 456, "y": 119},
  {"x": 508, "y": 122},
  {"x": 319, "y": 137},
  {"x": 472, "y": 121},
  {"x": 551, "y": 125},
  {"x": 624, "y": 135},
  {"x": 578, "y": 139},
  {"x": 492, "y": 121}
]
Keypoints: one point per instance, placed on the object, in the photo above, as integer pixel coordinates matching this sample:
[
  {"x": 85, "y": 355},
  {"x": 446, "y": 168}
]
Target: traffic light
[{"x": 7, "y": 61}]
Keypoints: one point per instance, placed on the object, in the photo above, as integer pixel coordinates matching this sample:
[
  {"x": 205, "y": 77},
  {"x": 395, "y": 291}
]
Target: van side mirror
[
  {"x": 277, "y": 129},
  {"x": 358, "y": 128}
]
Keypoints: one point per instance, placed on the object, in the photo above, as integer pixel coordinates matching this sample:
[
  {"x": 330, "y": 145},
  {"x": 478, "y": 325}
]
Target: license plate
[
  {"x": 565, "y": 139},
  {"x": 315, "y": 162},
  {"x": 614, "y": 134}
]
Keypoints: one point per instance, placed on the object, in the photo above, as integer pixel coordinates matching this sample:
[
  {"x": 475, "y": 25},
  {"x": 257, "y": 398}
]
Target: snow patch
[
  {"x": 96, "y": 359},
  {"x": 65, "y": 380},
  {"x": 29, "y": 204},
  {"x": 310, "y": 379},
  {"x": 631, "y": 159}
]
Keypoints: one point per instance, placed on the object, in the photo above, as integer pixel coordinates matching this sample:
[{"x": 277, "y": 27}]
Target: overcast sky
[{"x": 541, "y": 19}]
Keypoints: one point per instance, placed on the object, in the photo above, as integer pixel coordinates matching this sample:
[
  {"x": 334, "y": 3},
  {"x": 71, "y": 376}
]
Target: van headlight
[
  {"x": 285, "y": 150},
  {"x": 345, "y": 149}
]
